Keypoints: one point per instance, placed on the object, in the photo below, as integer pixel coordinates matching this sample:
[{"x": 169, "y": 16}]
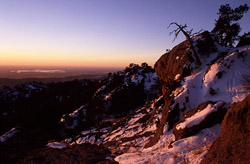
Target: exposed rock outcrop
[
  {"x": 203, "y": 116},
  {"x": 233, "y": 144},
  {"x": 171, "y": 69},
  {"x": 185, "y": 85},
  {"x": 171, "y": 64}
]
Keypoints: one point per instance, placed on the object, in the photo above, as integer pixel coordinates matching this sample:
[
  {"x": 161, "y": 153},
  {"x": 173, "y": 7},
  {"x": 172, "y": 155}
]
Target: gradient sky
[{"x": 103, "y": 33}]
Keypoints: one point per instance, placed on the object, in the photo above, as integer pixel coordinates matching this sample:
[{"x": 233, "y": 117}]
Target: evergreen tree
[
  {"x": 244, "y": 40},
  {"x": 226, "y": 27}
]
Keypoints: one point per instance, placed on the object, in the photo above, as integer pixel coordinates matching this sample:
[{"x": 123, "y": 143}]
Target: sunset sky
[{"x": 103, "y": 33}]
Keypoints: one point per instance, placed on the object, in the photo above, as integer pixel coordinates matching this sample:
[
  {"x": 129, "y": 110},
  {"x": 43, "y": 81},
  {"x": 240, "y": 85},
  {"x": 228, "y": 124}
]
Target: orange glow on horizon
[{"x": 75, "y": 60}]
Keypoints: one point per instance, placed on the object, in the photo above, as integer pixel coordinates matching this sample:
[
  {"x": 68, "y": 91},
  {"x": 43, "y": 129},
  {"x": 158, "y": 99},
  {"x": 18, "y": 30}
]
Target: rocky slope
[
  {"x": 181, "y": 125},
  {"x": 196, "y": 100}
]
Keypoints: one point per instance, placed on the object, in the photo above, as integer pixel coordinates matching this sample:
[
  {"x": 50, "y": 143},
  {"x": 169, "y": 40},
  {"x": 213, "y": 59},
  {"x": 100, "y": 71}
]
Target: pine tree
[
  {"x": 244, "y": 40},
  {"x": 226, "y": 27}
]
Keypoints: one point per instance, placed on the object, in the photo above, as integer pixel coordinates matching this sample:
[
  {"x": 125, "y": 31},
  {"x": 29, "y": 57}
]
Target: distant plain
[{"x": 14, "y": 75}]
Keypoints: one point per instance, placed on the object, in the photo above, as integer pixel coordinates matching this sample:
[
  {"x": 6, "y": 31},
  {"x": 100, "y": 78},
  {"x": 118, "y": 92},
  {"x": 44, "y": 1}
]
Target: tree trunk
[{"x": 191, "y": 44}]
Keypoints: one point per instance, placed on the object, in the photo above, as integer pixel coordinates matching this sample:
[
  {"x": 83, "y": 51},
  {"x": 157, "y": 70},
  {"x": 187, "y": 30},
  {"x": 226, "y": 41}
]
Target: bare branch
[
  {"x": 196, "y": 33},
  {"x": 188, "y": 35}
]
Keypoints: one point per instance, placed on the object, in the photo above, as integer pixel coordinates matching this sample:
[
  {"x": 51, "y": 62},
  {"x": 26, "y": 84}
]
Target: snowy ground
[
  {"x": 222, "y": 81},
  {"x": 189, "y": 150},
  {"x": 129, "y": 134}
]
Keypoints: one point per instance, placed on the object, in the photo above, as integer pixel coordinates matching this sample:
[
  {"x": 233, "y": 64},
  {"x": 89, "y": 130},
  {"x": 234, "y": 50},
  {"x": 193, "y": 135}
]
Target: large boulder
[
  {"x": 170, "y": 67},
  {"x": 233, "y": 144},
  {"x": 203, "y": 116}
]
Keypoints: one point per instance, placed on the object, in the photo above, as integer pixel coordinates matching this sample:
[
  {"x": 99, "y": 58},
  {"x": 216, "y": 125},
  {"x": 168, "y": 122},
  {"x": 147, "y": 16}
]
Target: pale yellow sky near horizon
[{"x": 74, "y": 59}]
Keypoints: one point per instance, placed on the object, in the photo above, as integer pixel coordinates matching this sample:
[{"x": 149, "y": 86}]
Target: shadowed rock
[{"x": 233, "y": 144}]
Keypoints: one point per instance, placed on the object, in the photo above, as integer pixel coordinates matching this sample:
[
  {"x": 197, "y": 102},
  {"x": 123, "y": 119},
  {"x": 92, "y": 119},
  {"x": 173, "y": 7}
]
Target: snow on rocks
[
  {"x": 21, "y": 91},
  {"x": 56, "y": 145},
  {"x": 203, "y": 116},
  {"x": 75, "y": 114},
  {"x": 150, "y": 80},
  {"x": 189, "y": 150},
  {"x": 201, "y": 96},
  {"x": 219, "y": 81},
  {"x": 225, "y": 76},
  {"x": 132, "y": 75},
  {"x": 72, "y": 120},
  {"x": 8, "y": 134},
  {"x": 216, "y": 84},
  {"x": 126, "y": 134},
  {"x": 198, "y": 117},
  {"x": 232, "y": 146},
  {"x": 119, "y": 94}
]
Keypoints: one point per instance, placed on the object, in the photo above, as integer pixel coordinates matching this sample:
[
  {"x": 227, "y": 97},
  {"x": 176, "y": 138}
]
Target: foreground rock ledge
[
  {"x": 213, "y": 117},
  {"x": 233, "y": 144}
]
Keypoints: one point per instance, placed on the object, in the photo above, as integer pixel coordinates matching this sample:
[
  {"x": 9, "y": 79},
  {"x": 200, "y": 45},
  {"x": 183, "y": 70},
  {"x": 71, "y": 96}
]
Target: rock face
[
  {"x": 185, "y": 85},
  {"x": 203, "y": 116},
  {"x": 171, "y": 69},
  {"x": 176, "y": 64},
  {"x": 171, "y": 64},
  {"x": 170, "y": 72},
  {"x": 233, "y": 144}
]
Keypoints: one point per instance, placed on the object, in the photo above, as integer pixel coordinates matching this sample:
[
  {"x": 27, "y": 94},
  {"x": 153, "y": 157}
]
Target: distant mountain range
[{"x": 13, "y": 82}]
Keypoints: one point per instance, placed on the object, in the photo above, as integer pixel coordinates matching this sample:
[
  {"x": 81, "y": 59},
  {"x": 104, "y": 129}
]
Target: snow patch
[
  {"x": 8, "y": 134},
  {"x": 56, "y": 145},
  {"x": 150, "y": 80},
  {"x": 198, "y": 117},
  {"x": 177, "y": 76}
]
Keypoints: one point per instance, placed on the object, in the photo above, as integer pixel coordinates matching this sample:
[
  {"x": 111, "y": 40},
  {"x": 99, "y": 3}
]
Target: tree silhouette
[
  {"x": 244, "y": 40},
  {"x": 226, "y": 26},
  {"x": 188, "y": 35}
]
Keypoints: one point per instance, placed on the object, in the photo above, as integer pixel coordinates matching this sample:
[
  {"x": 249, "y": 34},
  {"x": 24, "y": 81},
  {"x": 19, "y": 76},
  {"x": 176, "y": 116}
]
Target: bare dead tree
[{"x": 188, "y": 35}]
